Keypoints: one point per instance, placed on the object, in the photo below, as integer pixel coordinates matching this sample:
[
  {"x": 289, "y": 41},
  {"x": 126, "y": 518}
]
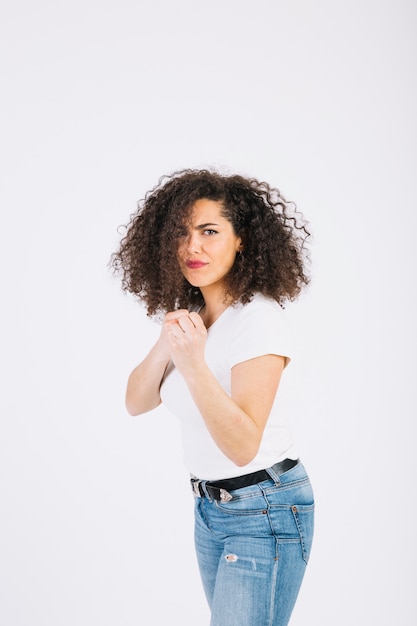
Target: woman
[{"x": 219, "y": 256}]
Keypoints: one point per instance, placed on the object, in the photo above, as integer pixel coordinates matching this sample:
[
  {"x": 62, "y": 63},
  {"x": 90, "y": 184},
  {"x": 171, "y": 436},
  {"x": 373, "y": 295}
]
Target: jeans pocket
[
  {"x": 304, "y": 519},
  {"x": 246, "y": 503}
]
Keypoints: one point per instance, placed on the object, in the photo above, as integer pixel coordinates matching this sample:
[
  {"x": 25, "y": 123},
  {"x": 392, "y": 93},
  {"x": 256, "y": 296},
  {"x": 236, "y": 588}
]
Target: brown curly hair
[{"x": 273, "y": 232}]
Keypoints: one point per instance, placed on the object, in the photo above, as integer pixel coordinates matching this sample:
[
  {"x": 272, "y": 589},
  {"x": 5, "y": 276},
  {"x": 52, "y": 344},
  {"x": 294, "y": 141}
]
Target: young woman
[{"x": 218, "y": 256}]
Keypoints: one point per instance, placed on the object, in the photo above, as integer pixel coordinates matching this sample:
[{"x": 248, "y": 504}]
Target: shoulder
[
  {"x": 260, "y": 307},
  {"x": 260, "y": 327}
]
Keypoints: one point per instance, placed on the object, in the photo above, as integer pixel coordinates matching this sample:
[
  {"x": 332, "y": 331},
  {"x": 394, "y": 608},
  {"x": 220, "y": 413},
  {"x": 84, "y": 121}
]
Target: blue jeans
[{"x": 253, "y": 550}]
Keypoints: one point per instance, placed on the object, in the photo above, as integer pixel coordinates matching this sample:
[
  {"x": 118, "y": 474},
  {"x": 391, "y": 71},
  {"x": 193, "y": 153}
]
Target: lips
[{"x": 195, "y": 265}]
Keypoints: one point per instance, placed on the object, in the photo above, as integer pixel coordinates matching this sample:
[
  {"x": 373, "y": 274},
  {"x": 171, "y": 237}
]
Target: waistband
[{"x": 219, "y": 489}]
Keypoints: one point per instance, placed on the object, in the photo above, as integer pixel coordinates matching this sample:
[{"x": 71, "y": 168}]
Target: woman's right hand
[{"x": 163, "y": 343}]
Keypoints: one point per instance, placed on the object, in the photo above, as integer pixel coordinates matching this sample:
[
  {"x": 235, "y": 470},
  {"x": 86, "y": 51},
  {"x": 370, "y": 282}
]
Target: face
[{"x": 208, "y": 248}]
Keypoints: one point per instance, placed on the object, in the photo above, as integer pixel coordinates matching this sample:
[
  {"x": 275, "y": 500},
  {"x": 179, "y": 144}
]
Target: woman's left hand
[{"x": 187, "y": 338}]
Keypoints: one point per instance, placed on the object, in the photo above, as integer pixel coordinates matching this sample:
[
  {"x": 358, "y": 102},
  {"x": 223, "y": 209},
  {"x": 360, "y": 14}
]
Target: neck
[{"x": 214, "y": 305}]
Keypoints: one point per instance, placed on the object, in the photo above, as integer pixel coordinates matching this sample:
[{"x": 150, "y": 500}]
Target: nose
[{"x": 193, "y": 243}]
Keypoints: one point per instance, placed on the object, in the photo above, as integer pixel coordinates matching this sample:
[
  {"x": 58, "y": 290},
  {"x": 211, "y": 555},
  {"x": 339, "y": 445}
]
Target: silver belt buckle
[
  {"x": 196, "y": 491},
  {"x": 225, "y": 496}
]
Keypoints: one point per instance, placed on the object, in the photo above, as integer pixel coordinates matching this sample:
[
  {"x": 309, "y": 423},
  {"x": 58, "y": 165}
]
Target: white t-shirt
[{"x": 241, "y": 333}]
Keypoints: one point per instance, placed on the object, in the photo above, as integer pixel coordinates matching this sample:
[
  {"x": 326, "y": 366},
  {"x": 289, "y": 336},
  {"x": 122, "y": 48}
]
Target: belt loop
[
  {"x": 203, "y": 486},
  {"x": 274, "y": 476},
  {"x": 199, "y": 488}
]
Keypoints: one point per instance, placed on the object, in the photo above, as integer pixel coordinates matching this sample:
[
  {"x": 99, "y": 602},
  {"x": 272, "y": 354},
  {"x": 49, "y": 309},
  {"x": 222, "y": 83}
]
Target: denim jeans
[{"x": 253, "y": 550}]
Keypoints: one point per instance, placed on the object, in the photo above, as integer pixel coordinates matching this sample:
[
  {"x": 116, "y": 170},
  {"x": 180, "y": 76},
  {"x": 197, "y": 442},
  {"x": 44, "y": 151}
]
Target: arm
[
  {"x": 235, "y": 422},
  {"x": 142, "y": 392}
]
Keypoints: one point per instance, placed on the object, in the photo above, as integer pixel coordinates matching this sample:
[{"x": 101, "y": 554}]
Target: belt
[{"x": 219, "y": 489}]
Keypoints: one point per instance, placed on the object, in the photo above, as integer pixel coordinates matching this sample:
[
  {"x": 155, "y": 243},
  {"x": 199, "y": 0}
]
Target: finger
[
  {"x": 174, "y": 315},
  {"x": 197, "y": 321},
  {"x": 174, "y": 321},
  {"x": 185, "y": 323},
  {"x": 174, "y": 332}
]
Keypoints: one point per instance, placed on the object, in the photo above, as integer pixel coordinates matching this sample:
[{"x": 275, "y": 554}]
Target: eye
[{"x": 210, "y": 231}]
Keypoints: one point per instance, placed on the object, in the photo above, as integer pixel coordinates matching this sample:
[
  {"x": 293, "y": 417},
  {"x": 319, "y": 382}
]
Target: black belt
[{"x": 219, "y": 489}]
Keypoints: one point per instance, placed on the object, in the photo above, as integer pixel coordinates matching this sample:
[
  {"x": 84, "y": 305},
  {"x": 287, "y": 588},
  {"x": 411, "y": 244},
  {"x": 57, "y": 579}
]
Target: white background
[{"x": 99, "y": 99}]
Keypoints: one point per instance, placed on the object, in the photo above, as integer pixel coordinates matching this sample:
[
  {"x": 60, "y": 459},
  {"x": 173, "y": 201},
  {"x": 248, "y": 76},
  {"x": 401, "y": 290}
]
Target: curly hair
[{"x": 273, "y": 232}]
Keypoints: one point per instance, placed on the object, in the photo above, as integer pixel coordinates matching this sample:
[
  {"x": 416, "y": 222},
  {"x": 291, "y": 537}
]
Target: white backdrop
[{"x": 98, "y": 100}]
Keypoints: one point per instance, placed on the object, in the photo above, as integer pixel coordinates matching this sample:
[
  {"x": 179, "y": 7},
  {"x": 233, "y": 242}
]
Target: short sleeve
[{"x": 261, "y": 328}]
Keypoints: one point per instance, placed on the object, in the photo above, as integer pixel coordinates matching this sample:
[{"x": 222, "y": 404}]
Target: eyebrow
[{"x": 203, "y": 226}]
